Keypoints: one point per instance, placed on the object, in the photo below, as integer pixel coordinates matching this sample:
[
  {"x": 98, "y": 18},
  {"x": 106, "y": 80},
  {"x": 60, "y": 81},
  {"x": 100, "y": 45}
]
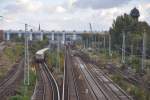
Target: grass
[
  {"x": 56, "y": 65},
  {"x": 25, "y": 92},
  {"x": 9, "y": 57},
  {"x": 136, "y": 92},
  {"x": 14, "y": 52},
  {"x": 55, "y": 61}
]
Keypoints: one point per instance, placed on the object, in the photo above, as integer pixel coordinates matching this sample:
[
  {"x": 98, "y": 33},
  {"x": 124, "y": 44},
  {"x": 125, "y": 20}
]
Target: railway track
[
  {"x": 93, "y": 86},
  {"x": 106, "y": 89},
  {"x": 114, "y": 91},
  {"x": 70, "y": 89},
  {"x": 39, "y": 88},
  {"x": 7, "y": 86},
  {"x": 47, "y": 88},
  {"x": 56, "y": 94},
  {"x": 135, "y": 79}
]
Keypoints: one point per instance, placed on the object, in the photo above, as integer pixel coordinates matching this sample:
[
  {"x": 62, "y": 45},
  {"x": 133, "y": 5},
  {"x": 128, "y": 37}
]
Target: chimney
[{"x": 39, "y": 27}]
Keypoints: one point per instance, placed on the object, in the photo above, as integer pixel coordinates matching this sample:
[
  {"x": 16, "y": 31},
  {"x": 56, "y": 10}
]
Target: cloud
[
  {"x": 54, "y": 9},
  {"x": 144, "y": 8},
  {"x": 30, "y": 5},
  {"x": 13, "y": 7},
  {"x": 97, "y": 4},
  {"x": 21, "y": 6},
  {"x": 60, "y": 9},
  {"x": 69, "y": 14}
]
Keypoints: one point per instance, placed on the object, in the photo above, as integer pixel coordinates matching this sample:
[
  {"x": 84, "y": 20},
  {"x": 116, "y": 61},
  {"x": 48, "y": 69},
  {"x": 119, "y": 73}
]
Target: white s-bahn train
[{"x": 40, "y": 55}]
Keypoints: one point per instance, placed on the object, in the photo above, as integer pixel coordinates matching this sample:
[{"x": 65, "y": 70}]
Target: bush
[
  {"x": 13, "y": 53},
  {"x": 16, "y": 98},
  {"x": 134, "y": 62}
]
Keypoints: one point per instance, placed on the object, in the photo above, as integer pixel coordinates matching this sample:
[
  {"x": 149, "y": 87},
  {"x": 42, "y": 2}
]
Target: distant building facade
[{"x": 1, "y": 35}]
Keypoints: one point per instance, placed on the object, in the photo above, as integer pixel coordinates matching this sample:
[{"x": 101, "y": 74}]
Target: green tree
[
  {"x": 123, "y": 23},
  {"x": 134, "y": 32}
]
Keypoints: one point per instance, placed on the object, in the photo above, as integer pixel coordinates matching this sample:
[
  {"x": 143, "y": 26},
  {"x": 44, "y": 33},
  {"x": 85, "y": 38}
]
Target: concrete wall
[{"x": 52, "y": 35}]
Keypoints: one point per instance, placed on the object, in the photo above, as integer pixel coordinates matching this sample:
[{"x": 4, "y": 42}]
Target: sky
[{"x": 67, "y": 14}]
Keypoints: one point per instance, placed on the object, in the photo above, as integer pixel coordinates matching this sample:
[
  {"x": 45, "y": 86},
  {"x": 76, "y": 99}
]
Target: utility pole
[
  {"x": 49, "y": 43},
  {"x": 104, "y": 41},
  {"x": 110, "y": 53},
  {"x": 83, "y": 42},
  {"x": 87, "y": 41},
  {"x": 131, "y": 51},
  {"x": 95, "y": 39},
  {"x": 143, "y": 51},
  {"x": 99, "y": 41},
  {"x": 90, "y": 27},
  {"x": 123, "y": 48},
  {"x": 91, "y": 30},
  {"x": 26, "y": 61},
  {"x": 58, "y": 52}
]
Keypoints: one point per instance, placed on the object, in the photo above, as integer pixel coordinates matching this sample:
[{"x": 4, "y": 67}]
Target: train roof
[{"x": 42, "y": 51}]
